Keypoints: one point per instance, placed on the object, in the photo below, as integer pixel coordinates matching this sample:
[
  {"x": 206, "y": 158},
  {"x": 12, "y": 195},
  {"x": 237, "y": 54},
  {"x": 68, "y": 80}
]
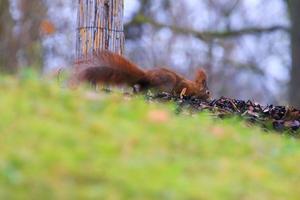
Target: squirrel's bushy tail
[{"x": 109, "y": 68}]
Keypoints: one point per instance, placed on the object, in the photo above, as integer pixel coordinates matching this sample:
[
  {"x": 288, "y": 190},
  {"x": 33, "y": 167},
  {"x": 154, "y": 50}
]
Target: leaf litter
[{"x": 282, "y": 119}]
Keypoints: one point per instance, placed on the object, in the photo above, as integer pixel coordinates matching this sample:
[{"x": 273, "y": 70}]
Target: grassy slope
[{"x": 61, "y": 144}]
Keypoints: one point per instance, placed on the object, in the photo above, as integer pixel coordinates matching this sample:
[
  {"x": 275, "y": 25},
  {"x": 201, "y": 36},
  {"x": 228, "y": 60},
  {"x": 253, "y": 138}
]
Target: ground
[{"x": 62, "y": 144}]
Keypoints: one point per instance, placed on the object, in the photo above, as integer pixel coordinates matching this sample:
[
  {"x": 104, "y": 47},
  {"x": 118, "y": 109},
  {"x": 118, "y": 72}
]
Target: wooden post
[{"x": 99, "y": 27}]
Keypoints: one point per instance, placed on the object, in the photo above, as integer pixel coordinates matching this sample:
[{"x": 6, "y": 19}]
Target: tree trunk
[
  {"x": 8, "y": 44},
  {"x": 21, "y": 43},
  {"x": 99, "y": 27},
  {"x": 294, "y": 6}
]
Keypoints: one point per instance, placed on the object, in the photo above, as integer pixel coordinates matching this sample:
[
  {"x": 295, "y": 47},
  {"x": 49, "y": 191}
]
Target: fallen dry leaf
[
  {"x": 47, "y": 27},
  {"x": 218, "y": 132},
  {"x": 158, "y": 116}
]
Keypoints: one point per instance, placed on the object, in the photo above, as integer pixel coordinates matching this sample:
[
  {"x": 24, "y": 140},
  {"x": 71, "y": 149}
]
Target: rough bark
[{"x": 99, "y": 26}]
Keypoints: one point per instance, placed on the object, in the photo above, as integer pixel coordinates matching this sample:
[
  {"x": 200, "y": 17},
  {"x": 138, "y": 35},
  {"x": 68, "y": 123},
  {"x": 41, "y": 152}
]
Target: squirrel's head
[{"x": 201, "y": 84}]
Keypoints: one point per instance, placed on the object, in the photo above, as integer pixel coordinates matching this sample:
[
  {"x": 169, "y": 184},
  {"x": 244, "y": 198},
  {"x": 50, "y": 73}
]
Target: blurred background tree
[
  {"x": 20, "y": 28},
  {"x": 243, "y": 44},
  {"x": 8, "y": 43},
  {"x": 294, "y": 9}
]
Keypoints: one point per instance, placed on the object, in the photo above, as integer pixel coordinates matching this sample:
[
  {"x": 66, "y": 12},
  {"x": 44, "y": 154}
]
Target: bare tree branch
[{"x": 208, "y": 35}]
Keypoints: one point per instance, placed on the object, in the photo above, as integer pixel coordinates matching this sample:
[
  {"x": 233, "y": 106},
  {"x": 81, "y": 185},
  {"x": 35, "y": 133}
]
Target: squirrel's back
[{"x": 108, "y": 67}]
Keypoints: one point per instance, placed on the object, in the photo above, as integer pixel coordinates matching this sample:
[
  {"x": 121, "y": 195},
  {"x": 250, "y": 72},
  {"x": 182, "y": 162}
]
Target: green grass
[{"x": 62, "y": 144}]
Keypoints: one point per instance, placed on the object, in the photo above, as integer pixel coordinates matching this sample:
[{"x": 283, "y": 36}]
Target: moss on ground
[{"x": 62, "y": 144}]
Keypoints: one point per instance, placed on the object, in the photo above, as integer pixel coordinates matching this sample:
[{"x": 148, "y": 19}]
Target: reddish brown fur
[{"x": 108, "y": 68}]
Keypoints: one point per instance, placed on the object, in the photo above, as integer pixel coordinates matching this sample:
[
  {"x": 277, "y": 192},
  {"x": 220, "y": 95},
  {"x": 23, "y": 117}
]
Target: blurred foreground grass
[{"x": 61, "y": 144}]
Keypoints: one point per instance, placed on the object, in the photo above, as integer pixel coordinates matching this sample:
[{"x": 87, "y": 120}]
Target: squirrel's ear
[{"x": 201, "y": 77}]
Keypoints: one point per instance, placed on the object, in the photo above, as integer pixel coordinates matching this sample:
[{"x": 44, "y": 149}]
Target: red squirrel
[{"x": 106, "y": 67}]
